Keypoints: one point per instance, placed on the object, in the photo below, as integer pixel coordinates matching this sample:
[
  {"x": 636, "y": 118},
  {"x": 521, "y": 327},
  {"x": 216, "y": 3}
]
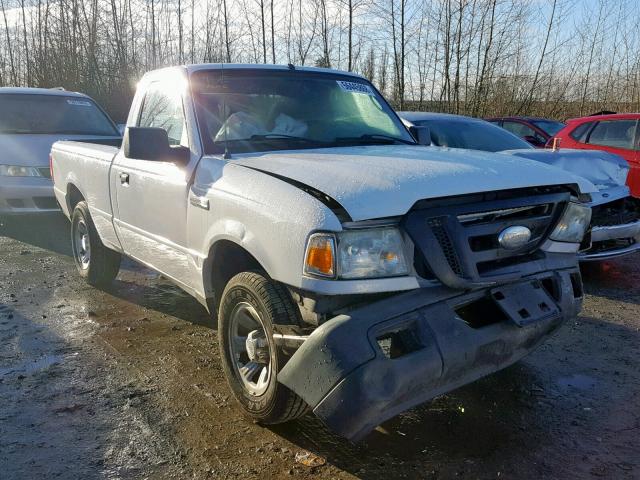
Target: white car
[
  {"x": 31, "y": 120},
  {"x": 351, "y": 270}
]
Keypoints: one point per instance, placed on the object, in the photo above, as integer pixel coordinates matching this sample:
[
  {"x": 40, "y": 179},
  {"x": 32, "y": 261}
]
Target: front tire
[
  {"x": 98, "y": 264},
  {"x": 250, "y": 305}
]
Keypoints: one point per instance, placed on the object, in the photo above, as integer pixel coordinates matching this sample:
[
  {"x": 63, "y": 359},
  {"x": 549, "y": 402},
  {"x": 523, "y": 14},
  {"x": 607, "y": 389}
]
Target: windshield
[
  {"x": 550, "y": 127},
  {"x": 471, "y": 134},
  {"x": 256, "y": 110},
  {"x": 51, "y": 114}
]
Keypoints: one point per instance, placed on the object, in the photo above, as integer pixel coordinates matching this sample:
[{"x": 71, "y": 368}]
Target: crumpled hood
[
  {"x": 385, "y": 181},
  {"x": 32, "y": 150},
  {"x": 603, "y": 169}
]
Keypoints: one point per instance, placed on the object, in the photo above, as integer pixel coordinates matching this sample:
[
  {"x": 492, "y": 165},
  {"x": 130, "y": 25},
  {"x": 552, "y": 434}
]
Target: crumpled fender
[{"x": 603, "y": 169}]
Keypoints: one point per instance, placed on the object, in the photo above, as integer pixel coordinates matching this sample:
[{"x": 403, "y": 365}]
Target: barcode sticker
[
  {"x": 80, "y": 103},
  {"x": 355, "y": 87}
]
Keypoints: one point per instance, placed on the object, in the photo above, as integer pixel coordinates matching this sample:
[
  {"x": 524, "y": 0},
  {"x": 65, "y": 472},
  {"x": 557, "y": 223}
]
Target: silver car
[{"x": 31, "y": 120}]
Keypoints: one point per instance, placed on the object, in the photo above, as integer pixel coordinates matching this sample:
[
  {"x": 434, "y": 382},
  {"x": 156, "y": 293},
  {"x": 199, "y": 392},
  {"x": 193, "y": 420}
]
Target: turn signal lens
[{"x": 320, "y": 257}]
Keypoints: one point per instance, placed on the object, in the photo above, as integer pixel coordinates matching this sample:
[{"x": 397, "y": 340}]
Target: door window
[
  {"x": 580, "y": 132},
  {"x": 614, "y": 133},
  {"x": 162, "y": 109}
]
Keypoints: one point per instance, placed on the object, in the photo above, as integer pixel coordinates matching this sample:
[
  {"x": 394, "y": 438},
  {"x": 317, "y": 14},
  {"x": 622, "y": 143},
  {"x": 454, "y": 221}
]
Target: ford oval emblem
[{"x": 512, "y": 238}]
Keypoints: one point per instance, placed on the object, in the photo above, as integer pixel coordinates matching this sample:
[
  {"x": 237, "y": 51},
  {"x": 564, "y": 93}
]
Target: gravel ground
[{"x": 126, "y": 383}]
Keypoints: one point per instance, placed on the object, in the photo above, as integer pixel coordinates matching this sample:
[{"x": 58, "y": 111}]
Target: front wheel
[
  {"x": 98, "y": 264},
  {"x": 250, "y": 305}
]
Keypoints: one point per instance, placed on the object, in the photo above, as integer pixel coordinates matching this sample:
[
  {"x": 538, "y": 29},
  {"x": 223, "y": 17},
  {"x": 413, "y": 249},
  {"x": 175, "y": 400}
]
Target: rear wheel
[
  {"x": 95, "y": 262},
  {"x": 250, "y": 305}
]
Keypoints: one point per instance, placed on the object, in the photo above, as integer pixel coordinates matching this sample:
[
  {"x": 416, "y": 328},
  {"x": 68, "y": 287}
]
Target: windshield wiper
[
  {"x": 283, "y": 136},
  {"x": 269, "y": 136},
  {"x": 377, "y": 137}
]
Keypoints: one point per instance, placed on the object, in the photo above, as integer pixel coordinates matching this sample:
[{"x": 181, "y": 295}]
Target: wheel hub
[
  {"x": 249, "y": 349},
  {"x": 82, "y": 244},
  {"x": 257, "y": 347}
]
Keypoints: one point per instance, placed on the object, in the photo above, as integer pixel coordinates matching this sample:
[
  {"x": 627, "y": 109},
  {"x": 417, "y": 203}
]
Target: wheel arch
[
  {"x": 74, "y": 196},
  {"x": 225, "y": 259}
]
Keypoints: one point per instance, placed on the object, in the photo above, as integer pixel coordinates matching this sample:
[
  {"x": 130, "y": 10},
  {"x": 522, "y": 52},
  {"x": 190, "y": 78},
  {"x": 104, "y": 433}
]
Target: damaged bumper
[
  {"x": 612, "y": 241},
  {"x": 358, "y": 370}
]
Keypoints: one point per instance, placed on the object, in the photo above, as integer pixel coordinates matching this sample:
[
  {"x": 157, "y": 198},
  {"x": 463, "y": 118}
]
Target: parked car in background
[
  {"x": 615, "y": 222},
  {"x": 616, "y": 133},
  {"x": 352, "y": 271},
  {"x": 536, "y": 131},
  {"x": 31, "y": 120}
]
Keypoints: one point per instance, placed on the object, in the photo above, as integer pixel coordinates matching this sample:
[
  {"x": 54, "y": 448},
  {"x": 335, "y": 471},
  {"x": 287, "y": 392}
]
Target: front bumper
[
  {"x": 612, "y": 241},
  {"x": 26, "y": 195},
  {"x": 353, "y": 376}
]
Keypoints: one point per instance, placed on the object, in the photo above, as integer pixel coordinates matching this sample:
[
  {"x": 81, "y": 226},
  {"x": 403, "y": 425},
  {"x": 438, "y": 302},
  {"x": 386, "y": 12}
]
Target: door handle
[{"x": 124, "y": 178}]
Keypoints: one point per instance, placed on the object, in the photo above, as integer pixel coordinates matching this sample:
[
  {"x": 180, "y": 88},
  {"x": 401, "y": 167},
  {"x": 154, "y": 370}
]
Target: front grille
[
  {"x": 446, "y": 244},
  {"x": 619, "y": 212},
  {"x": 458, "y": 242}
]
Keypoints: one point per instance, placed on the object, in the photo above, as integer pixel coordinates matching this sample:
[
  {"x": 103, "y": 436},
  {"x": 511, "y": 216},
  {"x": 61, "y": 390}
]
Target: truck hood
[
  {"x": 603, "y": 169},
  {"x": 387, "y": 180},
  {"x": 29, "y": 150}
]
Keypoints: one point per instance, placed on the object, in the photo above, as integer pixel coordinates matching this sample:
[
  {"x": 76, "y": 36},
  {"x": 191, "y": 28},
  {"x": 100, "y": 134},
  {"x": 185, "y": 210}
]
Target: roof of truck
[
  {"x": 40, "y": 91},
  {"x": 416, "y": 116},
  {"x": 250, "y": 66}
]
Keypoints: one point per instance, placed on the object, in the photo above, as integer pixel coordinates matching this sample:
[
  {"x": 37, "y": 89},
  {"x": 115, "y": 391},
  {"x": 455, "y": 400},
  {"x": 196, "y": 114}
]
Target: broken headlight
[{"x": 573, "y": 224}]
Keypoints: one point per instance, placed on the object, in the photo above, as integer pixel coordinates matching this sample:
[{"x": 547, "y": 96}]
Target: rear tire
[
  {"x": 250, "y": 305},
  {"x": 98, "y": 264}
]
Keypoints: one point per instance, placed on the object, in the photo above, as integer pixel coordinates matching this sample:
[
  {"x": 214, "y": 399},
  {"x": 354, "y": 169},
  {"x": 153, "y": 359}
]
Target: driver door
[{"x": 152, "y": 196}]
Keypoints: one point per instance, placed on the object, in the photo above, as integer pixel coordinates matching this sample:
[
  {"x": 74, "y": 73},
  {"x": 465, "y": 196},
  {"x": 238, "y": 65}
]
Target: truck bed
[{"x": 86, "y": 165}]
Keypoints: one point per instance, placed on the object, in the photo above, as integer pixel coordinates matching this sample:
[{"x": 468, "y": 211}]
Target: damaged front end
[
  {"x": 358, "y": 370},
  {"x": 615, "y": 226},
  {"x": 484, "y": 305}
]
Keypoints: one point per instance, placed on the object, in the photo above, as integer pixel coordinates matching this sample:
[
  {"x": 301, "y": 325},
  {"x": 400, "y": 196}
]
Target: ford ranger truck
[{"x": 351, "y": 271}]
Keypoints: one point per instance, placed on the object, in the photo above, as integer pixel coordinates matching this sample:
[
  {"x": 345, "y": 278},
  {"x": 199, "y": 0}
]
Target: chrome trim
[
  {"x": 364, "y": 224},
  {"x": 613, "y": 232},
  {"x": 470, "y": 217},
  {"x": 591, "y": 257}
]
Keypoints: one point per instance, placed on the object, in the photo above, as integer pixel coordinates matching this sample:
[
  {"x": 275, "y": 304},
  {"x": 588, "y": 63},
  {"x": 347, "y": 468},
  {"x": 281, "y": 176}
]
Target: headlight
[
  {"x": 18, "y": 171},
  {"x": 573, "y": 224},
  {"x": 351, "y": 254}
]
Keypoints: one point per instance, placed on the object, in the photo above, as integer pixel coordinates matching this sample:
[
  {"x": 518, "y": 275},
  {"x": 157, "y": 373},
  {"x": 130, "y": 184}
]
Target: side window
[
  {"x": 522, "y": 130},
  {"x": 164, "y": 110},
  {"x": 579, "y": 133},
  {"x": 614, "y": 133}
]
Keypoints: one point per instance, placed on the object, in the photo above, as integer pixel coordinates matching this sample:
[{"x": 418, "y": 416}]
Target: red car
[
  {"x": 617, "y": 133},
  {"x": 537, "y": 131}
]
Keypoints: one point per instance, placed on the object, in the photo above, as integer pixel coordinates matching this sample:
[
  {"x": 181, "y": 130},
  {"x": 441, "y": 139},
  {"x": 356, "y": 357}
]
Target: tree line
[{"x": 553, "y": 58}]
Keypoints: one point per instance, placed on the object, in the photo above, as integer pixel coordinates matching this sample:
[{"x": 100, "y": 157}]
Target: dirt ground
[{"x": 126, "y": 383}]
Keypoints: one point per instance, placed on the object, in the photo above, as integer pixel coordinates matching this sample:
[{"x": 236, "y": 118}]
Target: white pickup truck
[{"x": 351, "y": 271}]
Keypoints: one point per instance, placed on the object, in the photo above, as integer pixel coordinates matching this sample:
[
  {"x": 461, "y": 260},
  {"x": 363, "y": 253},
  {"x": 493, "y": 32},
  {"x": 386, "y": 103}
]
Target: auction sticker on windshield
[
  {"x": 81, "y": 103},
  {"x": 355, "y": 87}
]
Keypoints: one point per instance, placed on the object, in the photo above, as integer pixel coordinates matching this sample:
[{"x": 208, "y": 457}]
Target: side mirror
[
  {"x": 147, "y": 143},
  {"x": 421, "y": 134}
]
